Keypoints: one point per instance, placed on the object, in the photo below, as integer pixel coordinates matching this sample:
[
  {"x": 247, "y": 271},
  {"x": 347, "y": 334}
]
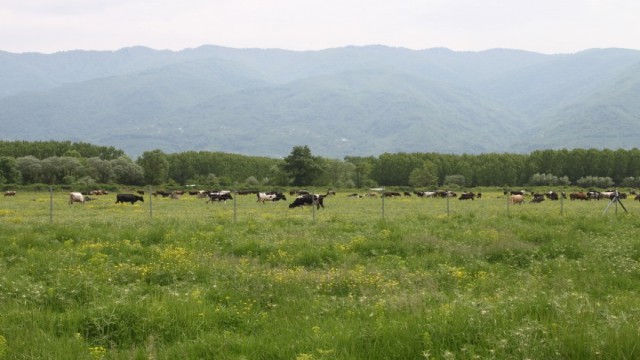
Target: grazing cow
[
  {"x": 578, "y": 196},
  {"x": 272, "y": 196},
  {"x": 637, "y": 197},
  {"x": 9, "y": 193},
  {"x": 612, "y": 194},
  {"x": 76, "y": 197},
  {"x": 354, "y": 195},
  {"x": 308, "y": 199},
  {"x": 537, "y": 198},
  {"x": 130, "y": 198},
  {"x": 467, "y": 196},
  {"x": 516, "y": 199},
  {"x": 222, "y": 195},
  {"x": 140, "y": 192},
  {"x": 445, "y": 193},
  {"x": 594, "y": 195},
  {"x": 424, "y": 194},
  {"x": 161, "y": 193},
  {"x": 391, "y": 194}
]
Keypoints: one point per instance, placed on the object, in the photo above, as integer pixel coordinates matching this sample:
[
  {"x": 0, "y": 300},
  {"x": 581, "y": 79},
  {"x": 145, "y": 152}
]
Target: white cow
[
  {"x": 76, "y": 197},
  {"x": 273, "y": 197}
]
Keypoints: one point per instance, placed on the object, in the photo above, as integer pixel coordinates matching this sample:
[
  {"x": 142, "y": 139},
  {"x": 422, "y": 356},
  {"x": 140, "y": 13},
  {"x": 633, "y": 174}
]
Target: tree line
[{"x": 54, "y": 163}]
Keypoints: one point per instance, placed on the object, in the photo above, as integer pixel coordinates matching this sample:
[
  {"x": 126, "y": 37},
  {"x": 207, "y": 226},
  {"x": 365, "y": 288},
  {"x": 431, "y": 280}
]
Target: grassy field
[{"x": 406, "y": 278}]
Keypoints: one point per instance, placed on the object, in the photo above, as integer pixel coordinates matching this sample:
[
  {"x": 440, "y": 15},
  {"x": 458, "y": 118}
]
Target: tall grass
[{"x": 109, "y": 281}]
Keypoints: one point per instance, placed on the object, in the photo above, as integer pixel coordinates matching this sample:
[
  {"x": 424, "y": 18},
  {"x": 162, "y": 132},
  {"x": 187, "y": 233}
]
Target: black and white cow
[
  {"x": 467, "y": 196},
  {"x": 130, "y": 198},
  {"x": 222, "y": 195},
  {"x": 537, "y": 198},
  {"x": 425, "y": 194},
  {"x": 270, "y": 196},
  {"x": 309, "y": 199}
]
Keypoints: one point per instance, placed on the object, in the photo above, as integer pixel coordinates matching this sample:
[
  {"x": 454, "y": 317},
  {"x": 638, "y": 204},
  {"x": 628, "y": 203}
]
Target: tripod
[{"x": 615, "y": 199}]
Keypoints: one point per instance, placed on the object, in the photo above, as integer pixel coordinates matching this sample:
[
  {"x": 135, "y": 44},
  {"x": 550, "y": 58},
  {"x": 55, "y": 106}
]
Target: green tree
[
  {"x": 127, "y": 172},
  {"x": 100, "y": 170},
  {"x": 395, "y": 169},
  {"x": 362, "y": 170},
  {"x": 339, "y": 173},
  {"x": 9, "y": 172},
  {"x": 454, "y": 180},
  {"x": 31, "y": 169},
  {"x": 57, "y": 168},
  {"x": 155, "y": 166},
  {"x": 426, "y": 175},
  {"x": 602, "y": 182},
  {"x": 302, "y": 167},
  {"x": 276, "y": 176}
]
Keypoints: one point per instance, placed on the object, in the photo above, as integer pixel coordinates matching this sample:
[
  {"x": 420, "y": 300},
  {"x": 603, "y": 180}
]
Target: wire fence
[{"x": 55, "y": 207}]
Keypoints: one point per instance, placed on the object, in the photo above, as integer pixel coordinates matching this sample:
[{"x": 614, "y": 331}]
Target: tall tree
[
  {"x": 9, "y": 172},
  {"x": 395, "y": 169},
  {"x": 155, "y": 166},
  {"x": 31, "y": 169},
  {"x": 302, "y": 167},
  {"x": 425, "y": 175},
  {"x": 100, "y": 170},
  {"x": 127, "y": 172}
]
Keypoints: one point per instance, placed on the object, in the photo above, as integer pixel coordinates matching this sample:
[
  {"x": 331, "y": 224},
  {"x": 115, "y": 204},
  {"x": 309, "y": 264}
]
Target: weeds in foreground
[{"x": 115, "y": 284}]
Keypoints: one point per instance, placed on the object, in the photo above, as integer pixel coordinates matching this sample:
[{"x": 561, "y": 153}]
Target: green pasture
[{"x": 399, "y": 278}]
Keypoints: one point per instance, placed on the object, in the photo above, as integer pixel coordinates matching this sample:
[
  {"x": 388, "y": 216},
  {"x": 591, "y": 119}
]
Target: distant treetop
[{"x": 45, "y": 149}]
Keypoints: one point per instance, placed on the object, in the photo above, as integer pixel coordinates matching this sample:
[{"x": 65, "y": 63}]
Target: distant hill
[{"x": 343, "y": 101}]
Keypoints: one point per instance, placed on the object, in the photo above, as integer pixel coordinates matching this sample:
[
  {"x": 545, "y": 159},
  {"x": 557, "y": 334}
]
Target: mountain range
[{"x": 349, "y": 101}]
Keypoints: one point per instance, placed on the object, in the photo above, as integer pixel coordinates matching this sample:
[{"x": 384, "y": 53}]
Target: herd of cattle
[{"x": 303, "y": 197}]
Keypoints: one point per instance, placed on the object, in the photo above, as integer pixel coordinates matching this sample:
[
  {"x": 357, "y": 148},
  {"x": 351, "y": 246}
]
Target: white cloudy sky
[{"x": 547, "y": 26}]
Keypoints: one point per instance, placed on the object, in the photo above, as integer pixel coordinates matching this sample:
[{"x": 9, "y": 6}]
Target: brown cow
[
  {"x": 9, "y": 193},
  {"x": 516, "y": 199},
  {"x": 578, "y": 196}
]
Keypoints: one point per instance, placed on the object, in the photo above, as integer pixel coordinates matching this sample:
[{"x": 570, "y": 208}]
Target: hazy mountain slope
[
  {"x": 51, "y": 70},
  {"x": 355, "y": 113},
  {"x": 129, "y": 103},
  {"x": 36, "y": 72},
  {"x": 558, "y": 81},
  {"x": 343, "y": 101},
  {"x": 611, "y": 115}
]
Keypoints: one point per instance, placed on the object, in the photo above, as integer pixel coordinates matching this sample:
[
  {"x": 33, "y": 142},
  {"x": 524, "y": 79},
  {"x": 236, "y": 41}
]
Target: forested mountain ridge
[{"x": 341, "y": 102}]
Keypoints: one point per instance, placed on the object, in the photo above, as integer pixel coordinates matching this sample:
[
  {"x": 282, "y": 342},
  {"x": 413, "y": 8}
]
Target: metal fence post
[
  {"x": 150, "y": 202},
  {"x": 315, "y": 201},
  {"x": 50, "y": 205},
  {"x": 235, "y": 206}
]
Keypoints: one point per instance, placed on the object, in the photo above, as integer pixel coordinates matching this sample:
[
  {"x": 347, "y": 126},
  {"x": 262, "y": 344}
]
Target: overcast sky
[{"x": 546, "y": 26}]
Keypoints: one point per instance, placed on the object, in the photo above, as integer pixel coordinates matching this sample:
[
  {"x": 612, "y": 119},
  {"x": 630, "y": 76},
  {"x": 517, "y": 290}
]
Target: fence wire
[{"x": 54, "y": 207}]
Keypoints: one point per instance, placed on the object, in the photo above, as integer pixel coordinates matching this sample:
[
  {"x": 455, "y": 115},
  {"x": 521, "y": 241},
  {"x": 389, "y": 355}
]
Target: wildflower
[
  {"x": 3, "y": 346},
  {"x": 97, "y": 352}
]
